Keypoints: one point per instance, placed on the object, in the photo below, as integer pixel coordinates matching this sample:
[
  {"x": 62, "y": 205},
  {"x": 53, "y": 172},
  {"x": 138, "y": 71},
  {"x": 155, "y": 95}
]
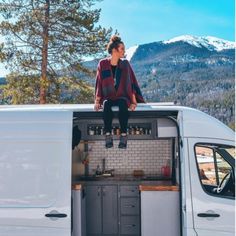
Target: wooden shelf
[{"x": 145, "y": 124}]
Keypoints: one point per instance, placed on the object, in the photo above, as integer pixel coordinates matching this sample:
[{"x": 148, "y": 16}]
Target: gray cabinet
[
  {"x": 102, "y": 210},
  {"x": 93, "y": 210},
  {"x": 130, "y": 225},
  {"x": 129, "y": 191},
  {"x": 110, "y": 210},
  {"x": 129, "y": 206},
  {"x": 129, "y": 210}
]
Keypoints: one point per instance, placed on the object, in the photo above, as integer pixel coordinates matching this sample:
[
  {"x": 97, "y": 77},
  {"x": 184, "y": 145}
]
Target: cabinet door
[
  {"x": 129, "y": 206},
  {"x": 93, "y": 210},
  {"x": 130, "y": 225},
  {"x": 129, "y": 191},
  {"x": 110, "y": 209}
]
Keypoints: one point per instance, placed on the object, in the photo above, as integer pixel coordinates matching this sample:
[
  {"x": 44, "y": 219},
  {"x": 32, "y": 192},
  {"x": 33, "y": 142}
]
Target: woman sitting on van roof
[{"x": 116, "y": 85}]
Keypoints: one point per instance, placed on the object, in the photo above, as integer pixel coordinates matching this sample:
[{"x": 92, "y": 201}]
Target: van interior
[{"x": 126, "y": 191}]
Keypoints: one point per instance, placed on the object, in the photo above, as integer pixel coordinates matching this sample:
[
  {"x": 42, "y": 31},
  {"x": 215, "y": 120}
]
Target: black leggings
[{"x": 123, "y": 114}]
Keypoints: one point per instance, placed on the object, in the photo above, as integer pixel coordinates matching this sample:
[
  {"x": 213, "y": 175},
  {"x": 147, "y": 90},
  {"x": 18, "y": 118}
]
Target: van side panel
[{"x": 35, "y": 172}]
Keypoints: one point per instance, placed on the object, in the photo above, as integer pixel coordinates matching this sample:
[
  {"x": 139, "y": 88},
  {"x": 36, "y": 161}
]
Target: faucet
[
  {"x": 103, "y": 165},
  {"x": 104, "y": 170}
]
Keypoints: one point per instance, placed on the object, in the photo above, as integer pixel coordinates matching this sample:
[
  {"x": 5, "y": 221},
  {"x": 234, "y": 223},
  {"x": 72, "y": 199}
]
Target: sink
[
  {"x": 93, "y": 177},
  {"x": 87, "y": 178},
  {"x": 118, "y": 178}
]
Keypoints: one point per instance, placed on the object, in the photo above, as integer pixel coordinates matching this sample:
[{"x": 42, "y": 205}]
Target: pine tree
[{"x": 48, "y": 38}]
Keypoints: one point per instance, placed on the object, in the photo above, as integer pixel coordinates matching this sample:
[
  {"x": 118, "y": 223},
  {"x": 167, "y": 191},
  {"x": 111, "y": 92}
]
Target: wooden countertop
[
  {"x": 142, "y": 187},
  {"x": 158, "y": 188},
  {"x": 76, "y": 187}
]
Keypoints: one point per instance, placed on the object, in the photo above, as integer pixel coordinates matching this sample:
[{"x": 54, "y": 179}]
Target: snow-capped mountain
[
  {"x": 183, "y": 56},
  {"x": 130, "y": 52},
  {"x": 194, "y": 71},
  {"x": 209, "y": 42}
]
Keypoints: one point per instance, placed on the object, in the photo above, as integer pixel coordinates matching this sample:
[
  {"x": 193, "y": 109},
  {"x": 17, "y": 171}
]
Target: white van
[{"x": 190, "y": 192}]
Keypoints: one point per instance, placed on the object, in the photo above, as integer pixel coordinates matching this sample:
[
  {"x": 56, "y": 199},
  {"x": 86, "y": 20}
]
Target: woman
[{"x": 116, "y": 85}]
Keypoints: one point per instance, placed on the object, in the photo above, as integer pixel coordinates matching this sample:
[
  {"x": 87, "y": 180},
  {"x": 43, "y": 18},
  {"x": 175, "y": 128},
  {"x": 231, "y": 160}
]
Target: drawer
[
  {"x": 129, "y": 191},
  {"x": 130, "y": 225},
  {"x": 130, "y": 206}
]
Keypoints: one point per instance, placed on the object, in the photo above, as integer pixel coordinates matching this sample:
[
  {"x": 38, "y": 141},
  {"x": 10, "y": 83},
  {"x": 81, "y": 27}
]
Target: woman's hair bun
[
  {"x": 114, "y": 42},
  {"x": 115, "y": 38}
]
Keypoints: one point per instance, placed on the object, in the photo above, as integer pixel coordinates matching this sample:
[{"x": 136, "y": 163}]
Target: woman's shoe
[
  {"x": 108, "y": 141},
  {"x": 123, "y": 141}
]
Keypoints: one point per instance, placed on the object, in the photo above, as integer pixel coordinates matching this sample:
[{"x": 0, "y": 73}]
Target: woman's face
[{"x": 120, "y": 51}]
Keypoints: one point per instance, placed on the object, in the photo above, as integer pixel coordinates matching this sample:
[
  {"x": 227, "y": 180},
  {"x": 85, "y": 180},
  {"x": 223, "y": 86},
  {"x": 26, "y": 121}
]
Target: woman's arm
[
  {"x": 134, "y": 101},
  {"x": 98, "y": 90},
  {"x": 135, "y": 87}
]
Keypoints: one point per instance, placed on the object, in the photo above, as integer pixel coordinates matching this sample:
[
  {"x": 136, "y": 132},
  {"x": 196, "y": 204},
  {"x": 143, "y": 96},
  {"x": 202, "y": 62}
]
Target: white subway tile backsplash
[{"x": 146, "y": 155}]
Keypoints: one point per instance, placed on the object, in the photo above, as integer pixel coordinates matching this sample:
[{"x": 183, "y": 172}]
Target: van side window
[{"x": 216, "y": 169}]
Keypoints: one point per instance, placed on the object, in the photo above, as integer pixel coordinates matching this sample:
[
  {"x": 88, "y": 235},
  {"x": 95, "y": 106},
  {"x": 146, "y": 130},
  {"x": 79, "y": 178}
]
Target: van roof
[
  {"x": 193, "y": 123},
  {"x": 84, "y": 107}
]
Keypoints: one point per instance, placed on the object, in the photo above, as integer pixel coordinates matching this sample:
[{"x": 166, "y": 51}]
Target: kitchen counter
[
  {"x": 146, "y": 186},
  {"x": 158, "y": 188},
  {"x": 120, "y": 178},
  {"x": 123, "y": 179}
]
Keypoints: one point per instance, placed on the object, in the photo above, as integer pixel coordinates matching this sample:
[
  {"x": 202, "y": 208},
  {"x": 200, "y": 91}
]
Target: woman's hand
[
  {"x": 97, "y": 106},
  {"x": 132, "y": 106}
]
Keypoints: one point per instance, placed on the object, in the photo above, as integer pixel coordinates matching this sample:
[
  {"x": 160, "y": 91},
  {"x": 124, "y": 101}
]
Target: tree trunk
[{"x": 44, "y": 84}]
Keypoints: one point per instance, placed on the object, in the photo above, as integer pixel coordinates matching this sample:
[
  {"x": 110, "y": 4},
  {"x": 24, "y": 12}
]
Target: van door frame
[
  {"x": 172, "y": 115},
  {"x": 216, "y": 201}
]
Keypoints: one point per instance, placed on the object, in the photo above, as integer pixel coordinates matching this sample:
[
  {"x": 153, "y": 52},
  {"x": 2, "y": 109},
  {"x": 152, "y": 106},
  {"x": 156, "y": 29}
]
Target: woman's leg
[
  {"x": 123, "y": 115},
  {"x": 107, "y": 115}
]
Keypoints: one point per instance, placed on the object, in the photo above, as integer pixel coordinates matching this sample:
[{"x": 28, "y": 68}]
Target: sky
[{"x": 146, "y": 21}]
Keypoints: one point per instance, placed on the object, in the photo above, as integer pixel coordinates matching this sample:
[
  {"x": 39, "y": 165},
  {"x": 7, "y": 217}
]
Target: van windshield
[{"x": 231, "y": 151}]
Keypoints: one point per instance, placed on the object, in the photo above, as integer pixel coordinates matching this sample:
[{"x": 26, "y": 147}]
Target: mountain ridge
[
  {"x": 211, "y": 43},
  {"x": 193, "y": 73}
]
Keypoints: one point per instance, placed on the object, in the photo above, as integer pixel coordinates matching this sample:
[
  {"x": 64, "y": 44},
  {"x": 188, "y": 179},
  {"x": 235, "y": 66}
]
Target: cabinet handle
[
  {"x": 99, "y": 191},
  {"x": 132, "y": 206},
  {"x": 83, "y": 193},
  {"x": 130, "y": 225}
]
